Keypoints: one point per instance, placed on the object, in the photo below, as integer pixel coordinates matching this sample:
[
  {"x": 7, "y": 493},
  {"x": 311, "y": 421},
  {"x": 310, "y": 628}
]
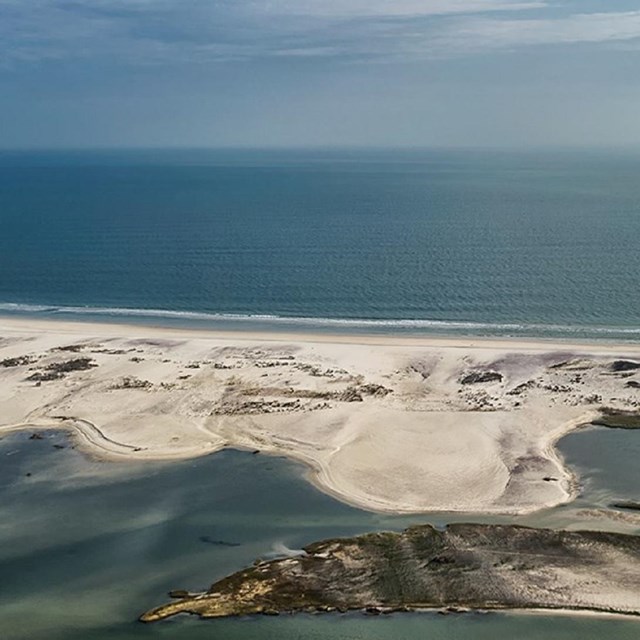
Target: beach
[{"x": 388, "y": 424}]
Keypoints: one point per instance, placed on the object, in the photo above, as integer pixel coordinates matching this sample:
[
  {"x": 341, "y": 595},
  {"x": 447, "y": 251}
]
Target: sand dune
[{"x": 388, "y": 424}]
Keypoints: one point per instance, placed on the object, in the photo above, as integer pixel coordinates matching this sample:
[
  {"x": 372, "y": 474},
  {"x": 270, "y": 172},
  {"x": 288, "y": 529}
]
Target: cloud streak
[
  {"x": 138, "y": 32},
  {"x": 593, "y": 28},
  {"x": 389, "y": 8}
]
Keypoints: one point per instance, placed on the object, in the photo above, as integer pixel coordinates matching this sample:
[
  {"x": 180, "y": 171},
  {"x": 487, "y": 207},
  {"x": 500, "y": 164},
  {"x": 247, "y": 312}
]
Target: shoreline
[
  {"x": 436, "y": 610},
  {"x": 14, "y": 323},
  {"x": 92, "y": 443},
  {"x": 386, "y": 424},
  {"x": 336, "y": 325}
]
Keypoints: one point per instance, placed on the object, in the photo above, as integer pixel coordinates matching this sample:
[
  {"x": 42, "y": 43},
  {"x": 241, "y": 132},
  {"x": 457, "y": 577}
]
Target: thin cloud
[
  {"x": 594, "y": 28},
  {"x": 164, "y": 31},
  {"x": 390, "y": 8}
]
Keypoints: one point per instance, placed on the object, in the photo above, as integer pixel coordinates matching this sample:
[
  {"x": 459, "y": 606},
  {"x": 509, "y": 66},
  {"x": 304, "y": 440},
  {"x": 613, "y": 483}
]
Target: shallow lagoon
[{"x": 87, "y": 545}]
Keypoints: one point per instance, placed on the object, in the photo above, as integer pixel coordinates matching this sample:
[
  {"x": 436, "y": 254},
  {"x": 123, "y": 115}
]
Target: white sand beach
[{"x": 390, "y": 424}]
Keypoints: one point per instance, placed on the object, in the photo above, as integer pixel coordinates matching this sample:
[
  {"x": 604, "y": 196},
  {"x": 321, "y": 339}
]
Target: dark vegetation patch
[
  {"x": 376, "y": 390},
  {"x": 575, "y": 364},
  {"x": 557, "y": 388},
  {"x": 350, "y": 394},
  {"x": 558, "y": 359},
  {"x": 521, "y": 388},
  {"x": 57, "y": 370},
  {"x": 257, "y": 407},
  {"x": 131, "y": 382},
  {"x": 20, "y": 361},
  {"x": 71, "y": 348},
  {"x": 617, "y": 419},
  {"x": 624, "y": 365},
  {"x": 478, "y": 377}
]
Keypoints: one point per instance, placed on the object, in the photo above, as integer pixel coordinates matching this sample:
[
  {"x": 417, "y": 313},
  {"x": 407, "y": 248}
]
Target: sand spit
[{"x": 388, "y": 424}]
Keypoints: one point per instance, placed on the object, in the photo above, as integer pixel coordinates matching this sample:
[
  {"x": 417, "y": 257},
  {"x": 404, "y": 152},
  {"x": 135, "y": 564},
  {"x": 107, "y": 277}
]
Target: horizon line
[{"x": 325, "y": 147}]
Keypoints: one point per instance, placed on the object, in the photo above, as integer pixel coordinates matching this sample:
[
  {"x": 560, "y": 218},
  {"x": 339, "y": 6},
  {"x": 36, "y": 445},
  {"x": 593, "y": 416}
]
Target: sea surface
[
  {"x": 483, "y": 243},
  {"x": 87, "y": 546}
]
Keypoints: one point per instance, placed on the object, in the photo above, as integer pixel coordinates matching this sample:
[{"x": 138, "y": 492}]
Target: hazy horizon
[{"x": 506, "y": 149}]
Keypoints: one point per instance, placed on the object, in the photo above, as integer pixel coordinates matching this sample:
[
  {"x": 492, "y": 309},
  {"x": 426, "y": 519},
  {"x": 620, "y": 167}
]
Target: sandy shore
[{"x": 388, "y": 424}]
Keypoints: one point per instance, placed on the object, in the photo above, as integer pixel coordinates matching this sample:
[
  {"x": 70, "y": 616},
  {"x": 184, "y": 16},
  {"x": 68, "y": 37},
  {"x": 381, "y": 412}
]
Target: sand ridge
[{"x": 398, "y": 425}]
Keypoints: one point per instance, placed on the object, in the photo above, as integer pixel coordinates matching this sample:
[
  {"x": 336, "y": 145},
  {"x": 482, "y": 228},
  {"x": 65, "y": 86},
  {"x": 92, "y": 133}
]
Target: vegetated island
[{"x": 465, "y": 566}]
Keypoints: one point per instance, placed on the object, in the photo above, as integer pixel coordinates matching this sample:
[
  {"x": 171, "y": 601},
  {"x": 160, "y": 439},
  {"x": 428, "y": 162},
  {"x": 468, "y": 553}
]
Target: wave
[{"x": 310, "y": 321}]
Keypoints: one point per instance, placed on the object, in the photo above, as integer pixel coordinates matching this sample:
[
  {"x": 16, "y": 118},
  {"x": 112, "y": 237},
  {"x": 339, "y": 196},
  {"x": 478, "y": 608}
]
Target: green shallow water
[{"x": 86, "y": 546}]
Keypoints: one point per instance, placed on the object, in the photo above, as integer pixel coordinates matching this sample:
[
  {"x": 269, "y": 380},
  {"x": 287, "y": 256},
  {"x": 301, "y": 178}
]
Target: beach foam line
[{"x": 310, "y": 321}]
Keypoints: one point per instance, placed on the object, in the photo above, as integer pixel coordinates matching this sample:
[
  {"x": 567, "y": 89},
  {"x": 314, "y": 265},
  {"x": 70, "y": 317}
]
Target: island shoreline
[{"x": 463, "y": 567}]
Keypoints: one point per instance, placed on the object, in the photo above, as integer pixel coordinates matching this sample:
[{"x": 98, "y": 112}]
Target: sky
[{"x": 289, "y": 73}]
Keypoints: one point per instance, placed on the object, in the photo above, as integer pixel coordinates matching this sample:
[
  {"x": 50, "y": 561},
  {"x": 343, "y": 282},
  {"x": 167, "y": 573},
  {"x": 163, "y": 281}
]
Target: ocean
[{"x": 440, "y": 242}]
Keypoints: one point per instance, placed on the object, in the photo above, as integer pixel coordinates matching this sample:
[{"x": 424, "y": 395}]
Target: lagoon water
[
  {"x": 86, "y": 546},
  {"x": 491, "y": 243}
]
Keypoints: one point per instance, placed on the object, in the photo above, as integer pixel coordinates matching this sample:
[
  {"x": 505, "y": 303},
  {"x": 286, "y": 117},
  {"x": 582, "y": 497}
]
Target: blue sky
[{"x": 86, "y": 73}]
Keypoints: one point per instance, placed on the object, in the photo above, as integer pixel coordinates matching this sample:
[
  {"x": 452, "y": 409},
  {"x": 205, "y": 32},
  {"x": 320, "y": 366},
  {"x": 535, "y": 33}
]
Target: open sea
[{"x": 483, "y": 243}]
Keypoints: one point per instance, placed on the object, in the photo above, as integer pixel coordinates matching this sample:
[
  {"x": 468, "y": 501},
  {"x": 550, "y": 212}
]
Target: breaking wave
[{"x": 309, "y": 323}]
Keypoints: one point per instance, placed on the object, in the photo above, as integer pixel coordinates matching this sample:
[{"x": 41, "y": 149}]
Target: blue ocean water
[{"x": 443, "y": 242}]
